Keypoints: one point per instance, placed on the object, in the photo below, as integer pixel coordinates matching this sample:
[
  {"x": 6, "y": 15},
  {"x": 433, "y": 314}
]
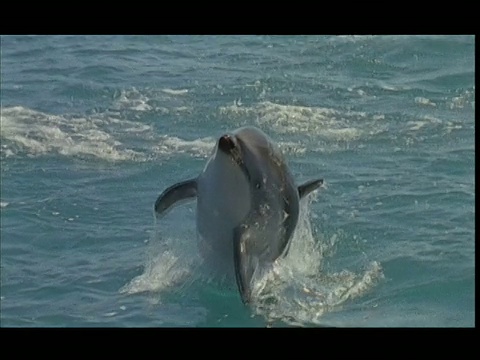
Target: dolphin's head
[{"x": 248, "y": 147}]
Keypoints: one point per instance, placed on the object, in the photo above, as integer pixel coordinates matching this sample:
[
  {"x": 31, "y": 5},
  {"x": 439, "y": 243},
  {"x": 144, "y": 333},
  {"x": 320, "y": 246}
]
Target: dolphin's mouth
[
  {"x": 226, "y": 143},
  {"x": 231, "y": 146}
]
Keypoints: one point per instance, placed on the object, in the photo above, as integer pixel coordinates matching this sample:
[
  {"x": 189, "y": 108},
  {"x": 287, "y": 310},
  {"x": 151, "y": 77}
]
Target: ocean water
[{"x": 94, "y": 128}]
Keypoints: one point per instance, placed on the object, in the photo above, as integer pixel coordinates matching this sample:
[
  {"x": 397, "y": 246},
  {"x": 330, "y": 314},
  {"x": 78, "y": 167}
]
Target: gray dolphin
[{"x": 247, "y": 205}]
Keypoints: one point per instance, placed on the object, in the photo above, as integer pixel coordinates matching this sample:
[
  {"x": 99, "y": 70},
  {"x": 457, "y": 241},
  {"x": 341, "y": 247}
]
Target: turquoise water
[{"x": 94, "y": 128}]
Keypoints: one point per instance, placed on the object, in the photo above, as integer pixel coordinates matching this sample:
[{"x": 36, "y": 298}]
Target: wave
[
  {"x": 125, "y": 130},
  {"x": 37, "y": 133},
  {"x": 103, "y": 136},
  {"x": 327, "y": 123}
]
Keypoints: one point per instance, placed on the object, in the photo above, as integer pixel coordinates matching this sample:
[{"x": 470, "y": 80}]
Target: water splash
[
  {"x": 169, "y": 265},
  {"x": 161, "y": 272},
  {"x": 296, "y": 290}
]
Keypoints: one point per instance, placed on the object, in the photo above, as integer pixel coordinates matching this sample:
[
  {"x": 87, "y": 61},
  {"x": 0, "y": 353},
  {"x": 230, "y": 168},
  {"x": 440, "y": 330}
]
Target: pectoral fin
[
  {"x": 175, "y": 195},
  {"x": 308, "y": 187},
  {"x": 245, "y": 263}
]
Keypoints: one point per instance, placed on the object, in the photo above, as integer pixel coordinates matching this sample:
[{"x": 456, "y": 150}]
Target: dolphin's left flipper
[
  {"x": 308, "y": 187},
  {"x": 184, "y": 190}
]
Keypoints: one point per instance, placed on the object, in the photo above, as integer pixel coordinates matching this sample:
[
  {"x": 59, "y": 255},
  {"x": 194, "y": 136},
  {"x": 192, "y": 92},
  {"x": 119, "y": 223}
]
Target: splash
[
  {"x": 298, "y": 290},
  {"x": 161, "y": 272},
  {"x": 170, "y": 266}
]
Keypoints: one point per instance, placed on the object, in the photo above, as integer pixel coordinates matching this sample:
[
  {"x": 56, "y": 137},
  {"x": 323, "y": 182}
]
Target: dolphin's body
[{"x": 247, "y": 205}]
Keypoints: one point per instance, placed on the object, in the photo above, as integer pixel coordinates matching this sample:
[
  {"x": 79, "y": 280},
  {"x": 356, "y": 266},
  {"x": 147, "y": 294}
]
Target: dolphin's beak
[
  {"x": 231, "y": 146},
  {"x": 226, "y": 144}
]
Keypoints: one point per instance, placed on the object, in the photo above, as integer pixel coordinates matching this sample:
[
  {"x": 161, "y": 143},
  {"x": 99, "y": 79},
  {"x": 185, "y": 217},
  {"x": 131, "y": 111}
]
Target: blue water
[{"x": 94, "y": 128}]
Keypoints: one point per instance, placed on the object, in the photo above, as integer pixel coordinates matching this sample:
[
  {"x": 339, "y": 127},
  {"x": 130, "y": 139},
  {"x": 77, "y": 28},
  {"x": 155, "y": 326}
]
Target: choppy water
[{"x": 93, "y": 128}]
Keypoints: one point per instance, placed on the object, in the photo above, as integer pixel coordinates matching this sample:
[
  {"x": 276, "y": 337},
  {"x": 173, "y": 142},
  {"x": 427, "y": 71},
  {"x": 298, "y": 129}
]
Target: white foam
[
  {"x": 424, "y": 101},
  {"x": 289, "y": 147},
  {"x": 426, "y": 120},
  {"x": 175, "y": 92},
  {"x": 4, "y": 204},
  {"x": 389, "y": 87},
  {"x": 101, "y": 135},
  {"x": 361, "y": 92},
  {"x": 463, "y": 99},
  {"x": 38, "y": 133},
  {"x": 131, "y": 99},
  {"x": 345, "y": 134},
  {"x": 338, "y": 127},
  {"x": 172, "y": 144},
  {"x": 329, "y": 123},
  {"x": 148, "y": 100},
  {"x": 449, "y": 126},
  {"x": 416, "y": 125}
]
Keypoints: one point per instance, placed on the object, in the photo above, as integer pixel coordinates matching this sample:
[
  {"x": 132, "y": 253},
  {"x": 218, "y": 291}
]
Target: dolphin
[{"x": 247, "y": 205}]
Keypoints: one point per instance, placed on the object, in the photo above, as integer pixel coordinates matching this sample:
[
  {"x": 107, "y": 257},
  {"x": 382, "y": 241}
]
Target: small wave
[
  {"x": 329, "y": 123},
  {"x": 289, "y": 147},
  {"x": 100, "y": 136},
  {"x": 424, "y": 101},
  {"x": 132, "y": 100},
  {"x": 175, "y": 92},
  {"x": 38, "y": 133},
  {"x": 149, "y": 100},
  {"x": 332, "y": 128},
  {"x": 172, "y": 144},
  {"x": 462, "y": 100}
]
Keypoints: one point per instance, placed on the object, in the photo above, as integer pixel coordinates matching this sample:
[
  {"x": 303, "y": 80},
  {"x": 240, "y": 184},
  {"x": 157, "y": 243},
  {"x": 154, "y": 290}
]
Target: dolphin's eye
[{"x": 226, "y": 143}]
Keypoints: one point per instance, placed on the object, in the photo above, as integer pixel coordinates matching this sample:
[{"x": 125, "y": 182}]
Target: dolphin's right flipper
[
  {"x": 245, "y": 262},
  {"x": 180, "y": 192}
]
